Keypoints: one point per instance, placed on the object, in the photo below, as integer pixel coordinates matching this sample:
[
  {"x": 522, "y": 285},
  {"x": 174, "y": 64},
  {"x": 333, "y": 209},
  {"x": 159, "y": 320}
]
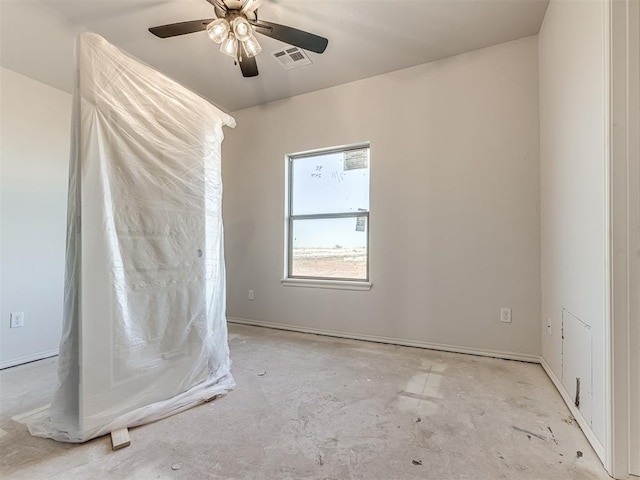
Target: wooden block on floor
[{"x": 120, "y": 439}]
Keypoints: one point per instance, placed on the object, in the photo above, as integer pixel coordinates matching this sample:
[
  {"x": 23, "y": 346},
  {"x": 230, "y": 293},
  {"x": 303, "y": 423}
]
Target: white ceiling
[{"x": 366, "y": 38}]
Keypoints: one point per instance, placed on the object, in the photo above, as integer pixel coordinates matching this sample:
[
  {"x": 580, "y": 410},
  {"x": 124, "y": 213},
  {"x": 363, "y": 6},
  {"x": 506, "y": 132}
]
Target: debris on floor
[
  {"x": 578, "y": 454},
  {"x": 262, "y": 374},
  {"x": 416, "y": 462},
  {"x": 553, "y": 437},
  {"x": 120, "y": 438},
  {"x": 529, "y": 434},
  {"x": 177, "y": 466}
]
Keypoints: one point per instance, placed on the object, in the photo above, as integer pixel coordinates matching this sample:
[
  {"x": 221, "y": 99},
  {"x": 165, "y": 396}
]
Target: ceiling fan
[{"x": 233, "y": 28}]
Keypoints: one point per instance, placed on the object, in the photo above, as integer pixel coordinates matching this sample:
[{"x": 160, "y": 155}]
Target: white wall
[
  {"x": 573, "y": 200},
  {"x": 34, "y": 146},
  {"x": 454, "y": 203}
]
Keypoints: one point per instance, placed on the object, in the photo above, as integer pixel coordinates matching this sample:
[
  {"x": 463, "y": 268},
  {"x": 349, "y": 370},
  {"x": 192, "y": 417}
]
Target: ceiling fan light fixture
[
  {"x": 230, "y": 46},
  {"x": 251, "y": 46},
  {"x": 242, "y": 29},
  {"x": 218, "y": 30}
]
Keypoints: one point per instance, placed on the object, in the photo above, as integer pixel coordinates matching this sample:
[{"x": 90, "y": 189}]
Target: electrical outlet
[
  {"x": 17, "y": 319},
  {"x": 250, "y": 294},
  {"x": 505, "y": 315}
]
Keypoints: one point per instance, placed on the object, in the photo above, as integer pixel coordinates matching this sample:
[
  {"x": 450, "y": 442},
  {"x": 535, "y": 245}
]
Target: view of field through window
[{"x": 329, "y": 194}]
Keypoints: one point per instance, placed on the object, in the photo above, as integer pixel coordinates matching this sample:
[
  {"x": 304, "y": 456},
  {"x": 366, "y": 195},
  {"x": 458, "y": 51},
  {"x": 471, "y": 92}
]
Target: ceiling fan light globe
[
  {"x": 230, "y": 46},
  {"x": 218, "y": 30},
  {"x": 251, "y": 46},
  {"x": 242, "y": 29}
]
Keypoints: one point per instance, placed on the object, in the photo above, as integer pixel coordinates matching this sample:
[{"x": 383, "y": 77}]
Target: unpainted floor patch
[
  {"x": 421, "y": 393},
  {"x": 36, "y": 413},
  {"x": 433, "y": 366}
]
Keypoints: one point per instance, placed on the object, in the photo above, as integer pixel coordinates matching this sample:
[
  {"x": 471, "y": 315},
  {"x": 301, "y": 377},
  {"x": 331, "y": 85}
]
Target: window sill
[{"x": 332, "y": 284}]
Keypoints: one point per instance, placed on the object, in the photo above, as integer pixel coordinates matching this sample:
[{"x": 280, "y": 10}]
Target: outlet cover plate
[{"x": 17, "y": 320}]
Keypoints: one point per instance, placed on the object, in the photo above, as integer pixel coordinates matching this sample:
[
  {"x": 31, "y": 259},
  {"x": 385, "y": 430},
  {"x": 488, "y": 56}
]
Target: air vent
[{"x": 291, "y": 58}]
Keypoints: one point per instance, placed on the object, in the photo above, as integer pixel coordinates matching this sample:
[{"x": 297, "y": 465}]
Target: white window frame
[{"x": 320, "y": 282}]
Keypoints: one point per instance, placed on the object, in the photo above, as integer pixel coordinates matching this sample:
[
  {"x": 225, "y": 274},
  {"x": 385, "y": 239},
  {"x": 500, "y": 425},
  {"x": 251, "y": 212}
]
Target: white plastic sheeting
[{"x": 145, "y": 331}]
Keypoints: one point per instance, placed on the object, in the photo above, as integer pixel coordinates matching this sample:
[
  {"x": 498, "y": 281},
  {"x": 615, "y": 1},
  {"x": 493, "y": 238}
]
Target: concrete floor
[{"x": 325, "y": 409}]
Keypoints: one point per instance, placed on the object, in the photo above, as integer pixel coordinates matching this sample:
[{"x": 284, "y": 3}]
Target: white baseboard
[
  {"x": 577, "y": 414},
  {"x": 393, "y": 341},
  {"x": 28, "y": 358}
]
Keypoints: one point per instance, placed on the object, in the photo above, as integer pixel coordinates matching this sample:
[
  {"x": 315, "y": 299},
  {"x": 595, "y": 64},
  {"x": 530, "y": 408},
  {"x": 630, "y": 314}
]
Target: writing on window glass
[{"x": 317, "y": 173}]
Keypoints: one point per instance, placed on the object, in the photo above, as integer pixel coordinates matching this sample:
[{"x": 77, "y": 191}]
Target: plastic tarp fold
[{"x": 144, "y": 332}]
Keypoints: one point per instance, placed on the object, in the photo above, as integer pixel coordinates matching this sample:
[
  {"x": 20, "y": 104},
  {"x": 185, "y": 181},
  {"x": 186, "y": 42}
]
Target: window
[{"x": 327, "y": 220}]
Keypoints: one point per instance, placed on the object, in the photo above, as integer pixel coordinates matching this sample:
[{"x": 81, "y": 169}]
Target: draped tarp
[{"x": 144, "y": 332}]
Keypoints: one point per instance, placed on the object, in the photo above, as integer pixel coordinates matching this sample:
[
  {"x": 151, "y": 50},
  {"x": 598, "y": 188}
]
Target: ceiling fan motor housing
[{"x": 231, "y": 14}]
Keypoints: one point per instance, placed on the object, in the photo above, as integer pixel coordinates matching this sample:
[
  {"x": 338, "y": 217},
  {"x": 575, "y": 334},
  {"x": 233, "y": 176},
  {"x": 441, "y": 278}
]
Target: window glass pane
[
  {"x": 330, "y": 183},
  {"x": 330, "y": 248}
]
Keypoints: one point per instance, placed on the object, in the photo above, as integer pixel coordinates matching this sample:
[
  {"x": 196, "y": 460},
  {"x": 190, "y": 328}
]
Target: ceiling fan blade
[
  {"x": 292, "y": 36},
  {"x": 250, "y": 6},
  {"x": 182, "y": 28},
  {"x": 248, "y": 65}
]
